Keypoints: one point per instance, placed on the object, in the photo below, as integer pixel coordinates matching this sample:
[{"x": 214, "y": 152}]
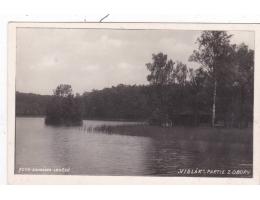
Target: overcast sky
[{"x": 93, "y": 59}]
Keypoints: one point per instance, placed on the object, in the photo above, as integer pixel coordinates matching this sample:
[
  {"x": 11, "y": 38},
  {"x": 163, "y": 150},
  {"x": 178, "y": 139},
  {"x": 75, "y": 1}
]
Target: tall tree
[
  {"x": 180, "y": 73},
  {"x": 244, "y": 83},
  {"x": 161, "y": 69},
  {"x": 212, "y": 54},
  {"x": 64, "y": 108},
  {"x": 63, "y": 90}
]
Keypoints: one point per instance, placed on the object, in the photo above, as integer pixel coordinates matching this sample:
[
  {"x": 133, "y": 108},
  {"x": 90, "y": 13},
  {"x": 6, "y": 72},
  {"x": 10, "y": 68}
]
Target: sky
[{"x": 90, "y": 59}]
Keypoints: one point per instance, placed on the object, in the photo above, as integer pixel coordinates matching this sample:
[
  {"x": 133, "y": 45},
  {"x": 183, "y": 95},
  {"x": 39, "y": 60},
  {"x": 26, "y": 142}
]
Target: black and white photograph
[{"x": 134, "y": 102}]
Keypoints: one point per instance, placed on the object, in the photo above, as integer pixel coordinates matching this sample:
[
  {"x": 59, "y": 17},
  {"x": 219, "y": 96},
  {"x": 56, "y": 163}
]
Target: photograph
[{"x": 145, "y": 102}]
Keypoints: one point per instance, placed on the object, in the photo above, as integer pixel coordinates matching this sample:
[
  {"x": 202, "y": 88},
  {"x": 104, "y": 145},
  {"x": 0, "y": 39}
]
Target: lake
[{"x": 42, "y": 149}]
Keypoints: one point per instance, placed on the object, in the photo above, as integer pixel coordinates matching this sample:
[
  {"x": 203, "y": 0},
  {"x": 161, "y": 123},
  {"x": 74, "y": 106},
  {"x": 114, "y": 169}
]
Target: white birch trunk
[{"x": 214, "y": 103}]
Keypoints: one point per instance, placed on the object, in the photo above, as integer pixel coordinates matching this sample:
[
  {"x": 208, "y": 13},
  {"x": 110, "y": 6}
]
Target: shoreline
[
  {"x": 224, "y": 135},
  {"x": 92, "y": 119}
]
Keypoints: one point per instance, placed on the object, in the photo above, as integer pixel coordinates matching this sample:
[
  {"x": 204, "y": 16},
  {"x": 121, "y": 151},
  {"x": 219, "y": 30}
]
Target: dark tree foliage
[
  {"x": 64, "y": 108},
  {"x": 122, "y": 103},
  {"x": 125, "y": 102},
  {"x": 165, "y": 76},
  {"x": 235, "y": 104},
  {"x": 161, "y": 70},
  {"x": 28, "y": 104}
]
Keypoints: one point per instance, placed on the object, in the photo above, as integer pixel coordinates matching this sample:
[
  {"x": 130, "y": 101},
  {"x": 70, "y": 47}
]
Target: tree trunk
[{"x": 214, "y": 104}]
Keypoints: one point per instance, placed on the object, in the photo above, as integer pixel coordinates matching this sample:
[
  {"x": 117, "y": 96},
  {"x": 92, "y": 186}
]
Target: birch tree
[{"x": 213, "y": 54}]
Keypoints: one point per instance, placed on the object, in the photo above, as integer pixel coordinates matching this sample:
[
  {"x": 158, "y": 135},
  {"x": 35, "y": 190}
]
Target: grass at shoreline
[
  {"x": 92, "y": 119},
  {"x": 185, "y": 133}
]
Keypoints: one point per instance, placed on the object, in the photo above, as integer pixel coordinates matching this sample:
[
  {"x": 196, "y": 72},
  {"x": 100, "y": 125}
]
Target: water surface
[{"x": 86, "y": 152}]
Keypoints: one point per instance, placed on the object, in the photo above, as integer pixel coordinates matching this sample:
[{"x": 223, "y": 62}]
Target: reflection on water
[{"x": 92, "y": 153}]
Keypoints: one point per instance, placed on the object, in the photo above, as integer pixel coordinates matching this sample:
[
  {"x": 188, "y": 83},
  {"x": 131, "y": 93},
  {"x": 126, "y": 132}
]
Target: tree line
[
  {"x": 220, "y": 90},
  {"x": 28, "y": 104}
]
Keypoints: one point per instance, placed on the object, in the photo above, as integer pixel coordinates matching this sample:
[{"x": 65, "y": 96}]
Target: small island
[{"x": 64, "y": 108}]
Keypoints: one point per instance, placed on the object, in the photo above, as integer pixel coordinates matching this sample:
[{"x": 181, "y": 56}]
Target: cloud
[{"x": 90, "y": 68}]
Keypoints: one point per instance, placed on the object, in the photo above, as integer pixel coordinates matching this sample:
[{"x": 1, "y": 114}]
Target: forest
[
  {"x": 28, "y": 104},
  {"x": 219, "y": 92}
]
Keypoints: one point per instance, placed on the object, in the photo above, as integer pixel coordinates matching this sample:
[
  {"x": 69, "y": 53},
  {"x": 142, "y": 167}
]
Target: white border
[{"x": 71, "y": 179}]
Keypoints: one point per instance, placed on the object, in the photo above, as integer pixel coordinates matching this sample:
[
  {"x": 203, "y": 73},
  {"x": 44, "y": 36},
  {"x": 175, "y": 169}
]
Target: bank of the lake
[{"x": 179, "y": 132}]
